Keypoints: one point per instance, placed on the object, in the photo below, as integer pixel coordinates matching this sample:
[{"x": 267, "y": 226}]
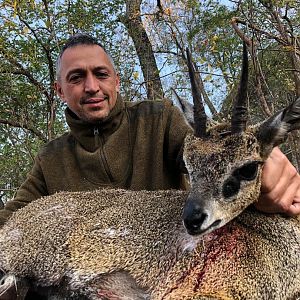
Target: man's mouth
[{"x": 93, "y": 100}]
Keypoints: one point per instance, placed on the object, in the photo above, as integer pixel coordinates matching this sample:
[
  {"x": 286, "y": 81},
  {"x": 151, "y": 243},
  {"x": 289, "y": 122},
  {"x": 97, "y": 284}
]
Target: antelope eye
[
  {"x": 247, "y": 171},
  {"x": 231, "y": 187}
]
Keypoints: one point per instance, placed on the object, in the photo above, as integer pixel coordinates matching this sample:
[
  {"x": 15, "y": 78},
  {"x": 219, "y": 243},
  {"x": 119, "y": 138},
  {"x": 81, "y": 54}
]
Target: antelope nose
[{"x": 193, "y": 218}]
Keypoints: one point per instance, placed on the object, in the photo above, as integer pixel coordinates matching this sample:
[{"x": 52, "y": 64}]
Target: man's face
[{"x": 88, "y": 82}]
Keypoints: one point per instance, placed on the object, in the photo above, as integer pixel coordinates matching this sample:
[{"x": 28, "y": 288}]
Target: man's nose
[{"x": 91, "y": 84}]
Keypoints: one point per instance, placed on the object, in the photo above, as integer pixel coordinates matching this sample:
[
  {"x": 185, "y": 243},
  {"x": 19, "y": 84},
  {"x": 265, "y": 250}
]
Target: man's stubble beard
[{"x": 94, "y": 120}]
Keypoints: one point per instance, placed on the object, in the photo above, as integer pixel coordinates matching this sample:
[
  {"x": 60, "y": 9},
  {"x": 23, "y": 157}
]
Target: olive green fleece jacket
[{"x": 135, "y": 147}]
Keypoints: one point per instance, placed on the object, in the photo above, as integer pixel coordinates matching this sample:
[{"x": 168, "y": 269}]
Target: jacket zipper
[{"x": 99, "y": 143}]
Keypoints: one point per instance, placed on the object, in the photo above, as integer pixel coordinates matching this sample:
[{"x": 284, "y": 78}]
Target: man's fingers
[
  {"x": 286, "y": 187},
  {"x": 273, "y": 170},
  {"x": 286, "y": 203},
  {"x": 280, "y": 189},
  {"x": 294, "y": 209},
  {"x": 284, "y": 198}
]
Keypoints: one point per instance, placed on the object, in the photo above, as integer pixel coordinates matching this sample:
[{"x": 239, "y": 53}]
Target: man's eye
[
  {"x": 101, "y": 75},
  {"x": 75, "y": 78}
]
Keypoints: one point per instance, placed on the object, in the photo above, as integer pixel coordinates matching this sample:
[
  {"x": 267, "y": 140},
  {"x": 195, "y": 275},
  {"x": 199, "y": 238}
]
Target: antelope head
[{"x": 225, "y": 162}]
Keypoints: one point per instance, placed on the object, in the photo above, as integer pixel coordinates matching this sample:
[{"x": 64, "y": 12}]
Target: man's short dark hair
[
  {"x": 76, "y": 40},
  {"x": 79, "y": 39}
]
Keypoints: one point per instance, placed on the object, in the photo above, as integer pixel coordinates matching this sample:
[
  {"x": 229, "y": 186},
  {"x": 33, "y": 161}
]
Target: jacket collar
[{"x": 85, "y": 132}]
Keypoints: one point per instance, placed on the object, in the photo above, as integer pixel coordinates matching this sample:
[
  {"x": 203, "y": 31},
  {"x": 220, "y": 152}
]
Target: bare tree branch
[
  {"x": 198, "y": 78},
  {"x": 259, "y": 77},
  {"x": 47, "y": 50},
  {"x": 235, "y": 21},
  {"x": 32, "y": 129},
  {"x": 25, "y": 72}
]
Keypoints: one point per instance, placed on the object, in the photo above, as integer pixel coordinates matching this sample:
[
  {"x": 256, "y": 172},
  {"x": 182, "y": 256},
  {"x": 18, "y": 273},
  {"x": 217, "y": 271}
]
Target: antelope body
[
  {"x": 205, "y": 243},
  {"x": 117, "y": 244}
]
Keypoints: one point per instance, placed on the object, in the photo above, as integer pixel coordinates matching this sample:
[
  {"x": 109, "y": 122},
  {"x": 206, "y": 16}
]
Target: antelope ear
[{"x": 274, "y": 130}]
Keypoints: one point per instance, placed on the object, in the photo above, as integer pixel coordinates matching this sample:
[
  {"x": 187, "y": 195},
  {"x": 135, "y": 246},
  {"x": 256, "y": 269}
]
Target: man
[{"x": 126, "y": 145}]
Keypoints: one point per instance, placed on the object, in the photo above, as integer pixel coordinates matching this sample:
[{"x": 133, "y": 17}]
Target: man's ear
[
  {"x": 117, "y": 82},
  {"x": 274, "y": 130},
  {"x": 59, "y": 90}
]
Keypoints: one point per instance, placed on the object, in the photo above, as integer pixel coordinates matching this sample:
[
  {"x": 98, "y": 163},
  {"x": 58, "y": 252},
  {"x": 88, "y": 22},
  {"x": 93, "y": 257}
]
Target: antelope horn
[
  {"x": 240, "y": 109},
  {"x": 199, "y": 112}
]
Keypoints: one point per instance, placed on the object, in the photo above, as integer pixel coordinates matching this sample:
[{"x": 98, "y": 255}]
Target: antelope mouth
[{"x": 196, "y": 230}]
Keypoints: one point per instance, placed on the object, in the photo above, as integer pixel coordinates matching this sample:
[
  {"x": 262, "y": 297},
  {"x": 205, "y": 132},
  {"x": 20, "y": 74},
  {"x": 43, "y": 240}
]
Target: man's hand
[{"x": 280, "y": 190}]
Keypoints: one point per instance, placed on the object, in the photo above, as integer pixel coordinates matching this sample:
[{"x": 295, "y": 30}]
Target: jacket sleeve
[{"x": 33, "y": 188}]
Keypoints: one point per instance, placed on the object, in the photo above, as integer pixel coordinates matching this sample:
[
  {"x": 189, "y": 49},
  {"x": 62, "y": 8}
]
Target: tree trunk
[{"x": 133, "y": 22}]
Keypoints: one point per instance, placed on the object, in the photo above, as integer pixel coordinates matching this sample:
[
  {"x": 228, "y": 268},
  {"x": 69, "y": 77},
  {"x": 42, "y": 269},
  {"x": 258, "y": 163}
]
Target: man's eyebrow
[
  {"x": 76, "y": 70},
  {"x": 83, "y": 71},
  {"x": 100, "y": 68}
]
